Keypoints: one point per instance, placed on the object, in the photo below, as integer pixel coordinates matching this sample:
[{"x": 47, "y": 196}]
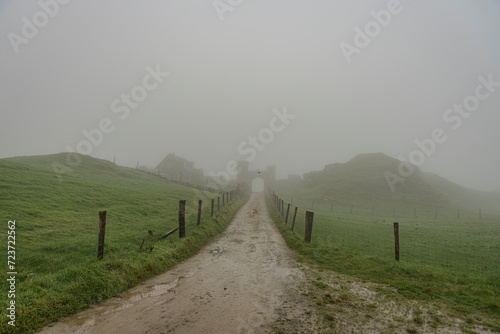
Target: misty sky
[{"x": 230, "y": 63}]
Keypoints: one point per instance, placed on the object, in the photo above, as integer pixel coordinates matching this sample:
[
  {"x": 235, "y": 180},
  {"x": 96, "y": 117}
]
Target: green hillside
[
  {"x": 448, "y": 251},
  {"x": 361, "y": 183},
  {"x": 57, "y": 228}
]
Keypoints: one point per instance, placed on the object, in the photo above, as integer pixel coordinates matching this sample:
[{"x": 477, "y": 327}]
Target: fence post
[
  {"x": 287, "y": 211},
  {"x": 212, "y": 209},
  {"x": 396, "y": 240},
  {"x": 223, "y": 199},
  {"x": 294, "y": 216},
  {"x": 182, "y": 218},
  {"x": 102, "y": 230},
  {"x": 282, "y": 208},
  {"x": 309, "y": 225},
  {"x": 198, "y": 220}
]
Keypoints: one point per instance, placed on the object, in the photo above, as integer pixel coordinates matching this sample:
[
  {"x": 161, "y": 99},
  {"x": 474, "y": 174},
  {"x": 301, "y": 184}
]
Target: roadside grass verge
[
  {"x": 58, "y": 273},
  {"x": 464, "y": 293}
]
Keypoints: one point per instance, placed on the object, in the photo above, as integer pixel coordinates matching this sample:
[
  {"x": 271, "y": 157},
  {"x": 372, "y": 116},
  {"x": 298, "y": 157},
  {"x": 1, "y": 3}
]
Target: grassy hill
[
  {"x": 57, "y": 228},
  {"x": 448, "y": 253},
  {"x": 361, "y": 183}
]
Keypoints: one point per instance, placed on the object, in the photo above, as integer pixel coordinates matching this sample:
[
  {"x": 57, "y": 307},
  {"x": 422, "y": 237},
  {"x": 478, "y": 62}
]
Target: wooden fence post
[
  {"x": 102, "y": 230},
  {"x": 198, "y": 220},
  {"x": 309, "y": 225},
  {"x": 182, "y": 218},
  {"x": 212, "y": 209},
  {"x": 396, "y": 240},
  {"x": 282, "y": 208},
  {"x": 294, "y": 216},
  {"x": 287, "y": 211}
]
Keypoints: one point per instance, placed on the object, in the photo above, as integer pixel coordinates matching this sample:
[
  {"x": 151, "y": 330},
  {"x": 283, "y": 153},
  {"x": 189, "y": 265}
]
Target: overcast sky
[{"x": 346, "y": 77}]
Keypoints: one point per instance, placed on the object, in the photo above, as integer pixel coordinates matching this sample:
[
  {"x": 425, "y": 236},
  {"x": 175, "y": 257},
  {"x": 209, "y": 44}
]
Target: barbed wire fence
[
  {"x": 54, "y": 248},
  {"x": 451, "y": 240}
]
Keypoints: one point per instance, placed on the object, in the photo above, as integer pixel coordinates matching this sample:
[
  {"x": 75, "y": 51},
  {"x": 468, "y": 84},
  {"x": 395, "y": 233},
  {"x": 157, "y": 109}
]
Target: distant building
[
  {"x": 246, "y": 176},
  {"x": 180, "y": 169}
]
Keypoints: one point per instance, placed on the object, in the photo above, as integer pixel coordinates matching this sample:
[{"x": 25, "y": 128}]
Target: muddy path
[
  {"x": 237, "y": 284},
  {"x": 247, "y": 281}
]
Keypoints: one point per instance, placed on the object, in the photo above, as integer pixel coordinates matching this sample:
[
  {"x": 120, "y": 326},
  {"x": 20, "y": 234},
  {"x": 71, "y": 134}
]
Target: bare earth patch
[{"x": 247, "y": 281}]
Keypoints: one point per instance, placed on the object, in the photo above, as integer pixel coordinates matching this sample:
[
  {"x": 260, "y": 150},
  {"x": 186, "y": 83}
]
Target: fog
[{"x": 296, "y": 84}]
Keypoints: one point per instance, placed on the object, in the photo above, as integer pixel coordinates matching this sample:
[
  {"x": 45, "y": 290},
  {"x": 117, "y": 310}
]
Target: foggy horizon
[{"x": 292, "y": 84}]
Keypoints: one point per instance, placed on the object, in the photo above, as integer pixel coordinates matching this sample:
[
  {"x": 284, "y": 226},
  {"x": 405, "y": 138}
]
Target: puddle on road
[
  {"x": 80, "y": 321},
  {"x": 124, "y": 301}
]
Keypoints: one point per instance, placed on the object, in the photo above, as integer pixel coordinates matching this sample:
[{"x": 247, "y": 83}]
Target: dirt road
[
  {"x": 237, "y": 284},
  {"x": 248, "y": 282}
]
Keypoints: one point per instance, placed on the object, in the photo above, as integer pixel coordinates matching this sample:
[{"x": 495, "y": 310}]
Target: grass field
[
  {"x": 456, "y": 261},
  {"x": 57, "y": 229}
]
